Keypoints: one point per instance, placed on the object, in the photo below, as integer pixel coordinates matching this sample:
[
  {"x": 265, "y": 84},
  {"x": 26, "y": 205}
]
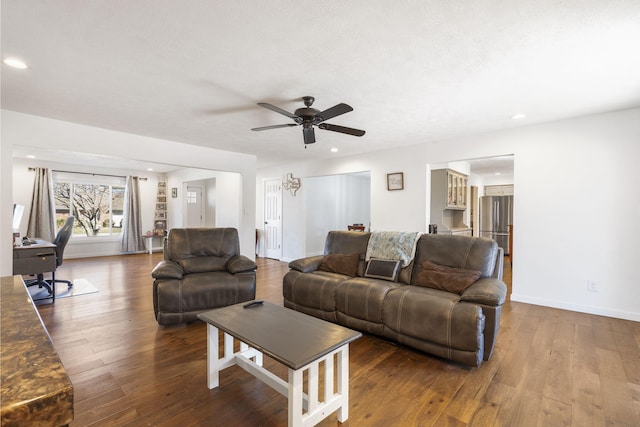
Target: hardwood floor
[{"x": 550, "y": 367}]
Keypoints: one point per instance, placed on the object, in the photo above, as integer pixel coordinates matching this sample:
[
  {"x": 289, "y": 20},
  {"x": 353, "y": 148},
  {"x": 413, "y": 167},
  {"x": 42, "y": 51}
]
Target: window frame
[{"x": 79, "y": 178}]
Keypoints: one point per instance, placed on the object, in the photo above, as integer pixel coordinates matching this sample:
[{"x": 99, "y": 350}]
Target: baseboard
[
  {"x": 600, "y": 311},
  {"x": 101, "y": 254}
]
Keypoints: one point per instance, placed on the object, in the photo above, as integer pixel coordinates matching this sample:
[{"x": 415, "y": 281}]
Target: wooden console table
[{"x": 35, "y": 389}]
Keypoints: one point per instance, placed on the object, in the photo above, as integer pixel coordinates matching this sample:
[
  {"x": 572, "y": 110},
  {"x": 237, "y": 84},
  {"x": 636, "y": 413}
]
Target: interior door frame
[
  {"x": 186, "y": 186},
  {"x": 275, "y": 253}
]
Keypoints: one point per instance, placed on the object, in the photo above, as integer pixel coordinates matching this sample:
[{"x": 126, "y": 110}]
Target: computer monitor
[{"x": 18, "y": 210}]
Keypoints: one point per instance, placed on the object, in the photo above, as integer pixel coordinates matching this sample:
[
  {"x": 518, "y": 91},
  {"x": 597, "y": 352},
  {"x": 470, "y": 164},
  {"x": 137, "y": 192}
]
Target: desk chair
[{"x": 61, "y": 240}]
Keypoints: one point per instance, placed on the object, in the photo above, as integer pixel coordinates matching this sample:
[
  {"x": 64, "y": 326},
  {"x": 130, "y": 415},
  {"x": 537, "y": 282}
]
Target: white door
[
  {"x": 273, "y": 219},
  {"x": 193, "y": 200}
]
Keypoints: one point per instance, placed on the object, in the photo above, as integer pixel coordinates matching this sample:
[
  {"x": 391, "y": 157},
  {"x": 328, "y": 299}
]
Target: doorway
[
  {"x": 194, "y": 206},
  {"x": 273, "y": 219}
]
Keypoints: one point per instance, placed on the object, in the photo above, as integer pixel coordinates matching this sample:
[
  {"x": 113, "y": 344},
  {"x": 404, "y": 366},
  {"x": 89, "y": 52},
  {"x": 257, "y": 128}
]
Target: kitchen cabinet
[
  {"x": 498, "y": 190},
  {"x": 456, "y": 189},
  {"x": 449, "y": 201}
]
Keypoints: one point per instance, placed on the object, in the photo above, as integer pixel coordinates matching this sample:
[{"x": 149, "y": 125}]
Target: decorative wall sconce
[{"x": 290, "y": 183}]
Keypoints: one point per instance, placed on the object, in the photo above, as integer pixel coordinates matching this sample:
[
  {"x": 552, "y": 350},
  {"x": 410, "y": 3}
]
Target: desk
[
  {"x": 36, "y": 389},
  {"x": 38, "y": 258}
]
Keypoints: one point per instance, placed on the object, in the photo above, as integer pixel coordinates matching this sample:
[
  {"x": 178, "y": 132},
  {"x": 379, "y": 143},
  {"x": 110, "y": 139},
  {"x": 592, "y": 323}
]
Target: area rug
[{"x": 80, "y": 287}]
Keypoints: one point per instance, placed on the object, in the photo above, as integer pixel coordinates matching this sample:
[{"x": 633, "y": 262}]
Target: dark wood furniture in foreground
[
  {"x": 302, "y": 343},
  {"x": 35, "y": 389}
]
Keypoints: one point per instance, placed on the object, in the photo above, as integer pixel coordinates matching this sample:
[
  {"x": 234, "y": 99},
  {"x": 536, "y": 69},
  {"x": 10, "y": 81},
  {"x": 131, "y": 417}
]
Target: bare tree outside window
[{"x": 98, "y": 208}]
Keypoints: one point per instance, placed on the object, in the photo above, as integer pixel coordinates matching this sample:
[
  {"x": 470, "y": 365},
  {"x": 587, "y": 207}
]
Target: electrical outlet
[{"x": 592, "y": 286}]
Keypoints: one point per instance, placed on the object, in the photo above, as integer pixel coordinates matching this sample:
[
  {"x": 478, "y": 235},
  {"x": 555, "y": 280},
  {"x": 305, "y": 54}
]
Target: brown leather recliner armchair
[{"x": 202, "y": 270}]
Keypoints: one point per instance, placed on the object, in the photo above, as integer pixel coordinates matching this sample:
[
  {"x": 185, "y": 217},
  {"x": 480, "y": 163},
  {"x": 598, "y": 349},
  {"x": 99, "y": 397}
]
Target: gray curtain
[
  {"x": 43, "y": 210},
  {"x": 131, "y": 223}
]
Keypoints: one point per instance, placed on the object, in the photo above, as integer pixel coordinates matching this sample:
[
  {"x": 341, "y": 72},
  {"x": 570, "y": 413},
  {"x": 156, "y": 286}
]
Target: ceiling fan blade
[
  {"x": 332, "y": 112},
  {"x": 309, "y": 135},
  {"x": 341, "y": 129},
  {"x": 275, "y": 126},
  {"x": 278, "y": 110}
]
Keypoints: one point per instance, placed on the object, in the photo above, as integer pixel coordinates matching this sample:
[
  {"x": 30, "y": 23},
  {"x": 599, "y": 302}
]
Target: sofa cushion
[
  {"x": 471, "y": 253},
  {"x": 203, "y": 264},
  {"x": 384, "y": 269},
  {"x": 346, "y": 264},
  {"x": 433, "y": 316},
  {"x": 315, "y": 290},
  {"x": 450, "y": 279},
  {"x": 362, "y": 298}
]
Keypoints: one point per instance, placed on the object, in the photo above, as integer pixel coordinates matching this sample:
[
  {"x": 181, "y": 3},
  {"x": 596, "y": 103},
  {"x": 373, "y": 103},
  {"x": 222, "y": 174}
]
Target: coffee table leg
[
  {"x": 295, "y": 397},
  {"x": 343, "y": 382},
  {"x": 213, "y": 368}
]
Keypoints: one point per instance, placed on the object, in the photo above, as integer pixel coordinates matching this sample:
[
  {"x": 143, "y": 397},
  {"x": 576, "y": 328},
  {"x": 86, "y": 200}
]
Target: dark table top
[
  {"x": 292, "y": 338},
  {"x": 39, "y": 244},
  {"x": 34, "y": 387}
]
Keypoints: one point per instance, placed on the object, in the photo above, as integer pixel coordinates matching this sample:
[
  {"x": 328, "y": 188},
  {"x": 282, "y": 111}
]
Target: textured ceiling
[{"x": 414, "y": 71}]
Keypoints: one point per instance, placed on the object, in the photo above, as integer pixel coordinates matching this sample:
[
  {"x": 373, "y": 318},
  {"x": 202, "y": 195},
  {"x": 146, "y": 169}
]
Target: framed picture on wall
[{"x": 395, "y": 181}]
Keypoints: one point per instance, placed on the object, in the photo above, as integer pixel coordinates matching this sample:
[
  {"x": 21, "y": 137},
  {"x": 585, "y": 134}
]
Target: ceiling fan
[{"x": 309, "y": 117}]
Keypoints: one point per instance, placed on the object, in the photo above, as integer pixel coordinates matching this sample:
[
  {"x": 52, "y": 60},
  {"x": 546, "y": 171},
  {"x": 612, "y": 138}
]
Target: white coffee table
[{"x": 300, "y": 342}]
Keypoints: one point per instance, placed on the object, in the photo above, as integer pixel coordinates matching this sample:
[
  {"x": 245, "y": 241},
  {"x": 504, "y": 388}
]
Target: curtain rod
[{"x": 90, "y": 173}]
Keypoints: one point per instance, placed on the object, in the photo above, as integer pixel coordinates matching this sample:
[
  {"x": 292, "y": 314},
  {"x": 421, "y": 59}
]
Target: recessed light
[
  {"x": 15, "y": 63},
  {"x": 497, "y": 174},
  {"x": 518, "y": 116},
  {"x": 30, "y": 156},
  {"x": 334, "y": 150},
  {"x": 150, "y": 169}
]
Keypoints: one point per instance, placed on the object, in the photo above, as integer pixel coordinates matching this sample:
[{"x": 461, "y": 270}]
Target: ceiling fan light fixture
[{"x": 308, "y": 117}]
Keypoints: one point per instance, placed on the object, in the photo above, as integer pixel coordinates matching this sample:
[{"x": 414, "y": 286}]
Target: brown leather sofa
[
  {"x": 460, "y": 326},
  {"x": 202, "y": 270}
]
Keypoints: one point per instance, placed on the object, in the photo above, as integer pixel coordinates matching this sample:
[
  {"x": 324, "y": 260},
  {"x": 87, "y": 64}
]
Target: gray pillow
[{"x": 385, "y": 269}]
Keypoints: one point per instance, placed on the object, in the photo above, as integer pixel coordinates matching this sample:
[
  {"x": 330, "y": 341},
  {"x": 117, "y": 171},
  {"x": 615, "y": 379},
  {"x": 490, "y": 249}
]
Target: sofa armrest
[
  {"x": 167, "y": 270},
  {"x": 306, "y": 265},
  {"x": 487, "y": 291},
  {"x": 239, "y": 264}
]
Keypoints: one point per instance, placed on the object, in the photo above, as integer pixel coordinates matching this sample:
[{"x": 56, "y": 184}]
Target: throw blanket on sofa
[{"x": 395, "y": 245}]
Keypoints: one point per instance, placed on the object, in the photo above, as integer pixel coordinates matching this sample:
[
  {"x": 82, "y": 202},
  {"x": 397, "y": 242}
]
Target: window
[
  {"x": 96, "y": 201},
  {"x": 192, "y": 197}
]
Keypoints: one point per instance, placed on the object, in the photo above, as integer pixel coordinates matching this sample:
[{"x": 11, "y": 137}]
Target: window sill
[{"x": 93, "y": 240}]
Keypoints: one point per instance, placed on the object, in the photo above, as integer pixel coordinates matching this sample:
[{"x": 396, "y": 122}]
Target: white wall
[
  {"x": 28, "y": 130},
  {"x": 332, "y": 203},
  {"x": 6, "y": 203},
  {"x": 577, "y": 210},
  {"x": 210, "y": 202},
  {"x": 223, "y": 191}
]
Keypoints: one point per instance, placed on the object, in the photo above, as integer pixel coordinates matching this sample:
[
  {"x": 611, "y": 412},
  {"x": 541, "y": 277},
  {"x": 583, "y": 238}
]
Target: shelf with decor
[{"x": 154, "y": 239}]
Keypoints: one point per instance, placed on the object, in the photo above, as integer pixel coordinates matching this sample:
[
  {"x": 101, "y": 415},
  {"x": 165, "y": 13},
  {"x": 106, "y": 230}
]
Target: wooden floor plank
[{"x": 550, "y": 367}]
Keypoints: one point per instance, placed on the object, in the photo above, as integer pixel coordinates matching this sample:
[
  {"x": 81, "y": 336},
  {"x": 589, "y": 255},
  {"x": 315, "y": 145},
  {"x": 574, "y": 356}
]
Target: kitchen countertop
[{"x": 35, "y": 388}]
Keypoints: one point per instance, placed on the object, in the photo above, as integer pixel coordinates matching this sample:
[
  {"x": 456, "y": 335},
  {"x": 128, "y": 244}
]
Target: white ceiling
[{"x": 414, "y": 71}]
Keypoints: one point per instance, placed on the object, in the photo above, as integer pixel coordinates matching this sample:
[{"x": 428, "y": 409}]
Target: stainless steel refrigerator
[{"x": 496, "y": 213}]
